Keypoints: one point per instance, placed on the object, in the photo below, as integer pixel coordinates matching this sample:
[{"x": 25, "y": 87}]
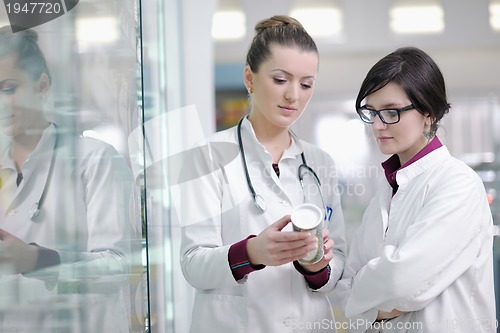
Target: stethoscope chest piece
[{"x": 260, "y": 203}]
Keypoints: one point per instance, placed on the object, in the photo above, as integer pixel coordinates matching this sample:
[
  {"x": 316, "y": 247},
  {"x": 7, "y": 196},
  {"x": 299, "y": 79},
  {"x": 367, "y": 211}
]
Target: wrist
[
  {"x": 304, "y": 271},
  {"x": 30, "y": 260},
  {"x": 250, "y": 250},
  {"x": 45, "y": 257}
]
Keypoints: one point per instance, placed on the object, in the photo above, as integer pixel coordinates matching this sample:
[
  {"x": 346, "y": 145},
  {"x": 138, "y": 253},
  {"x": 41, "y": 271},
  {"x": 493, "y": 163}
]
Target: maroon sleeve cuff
[
  {"x": 46, "y": 257},
  {"x": 315, "y": 280},
  {"x": 238, "y": 260}
]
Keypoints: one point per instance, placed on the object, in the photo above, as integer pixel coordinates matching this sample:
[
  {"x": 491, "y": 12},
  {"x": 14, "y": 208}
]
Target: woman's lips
[
  {"x": 288, "y": 109},
  {"x": 384, "y": 138}
]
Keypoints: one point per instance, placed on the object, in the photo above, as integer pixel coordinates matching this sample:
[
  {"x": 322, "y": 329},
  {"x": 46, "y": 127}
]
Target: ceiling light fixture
[
  {"x": 416, "y": 17},
  {"x": 228, "y": 22},
  {"x": 319, "y": 18},
  {"x": 103, "y": 30},
  {"x": 495, "y": 15}
]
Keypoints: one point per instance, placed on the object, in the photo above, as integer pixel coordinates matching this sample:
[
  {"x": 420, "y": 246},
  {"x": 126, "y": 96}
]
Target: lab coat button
[
  {"x": 285, "y": 203},
  {"x": 11, "y": 212}
]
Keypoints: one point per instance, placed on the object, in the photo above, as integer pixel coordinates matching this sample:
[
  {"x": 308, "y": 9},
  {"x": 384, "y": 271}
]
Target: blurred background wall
[{"x": 462, "y": 36}]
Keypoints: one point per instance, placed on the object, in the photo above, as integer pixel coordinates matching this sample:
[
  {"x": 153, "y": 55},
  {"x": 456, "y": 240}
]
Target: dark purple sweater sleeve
[
  {"x": 315, "y": 280},
  {"x": 46, "y": 257},
  {"x": 241, "y": 266},
  {"x": 238, "y": 260}
]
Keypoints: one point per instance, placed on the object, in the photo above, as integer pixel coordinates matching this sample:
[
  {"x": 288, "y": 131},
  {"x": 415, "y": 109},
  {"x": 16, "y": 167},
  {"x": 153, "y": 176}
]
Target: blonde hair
[
  {"x": 24, "y": 45},
  {"x": 282, "y": 30}
]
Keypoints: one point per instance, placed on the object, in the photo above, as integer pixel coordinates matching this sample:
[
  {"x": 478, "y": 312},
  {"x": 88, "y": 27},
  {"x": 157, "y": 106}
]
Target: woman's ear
[
  {"x": 248, "y": 78},
  {"x": 428, "y": 120},
  {"x": 43, "y": 83}
]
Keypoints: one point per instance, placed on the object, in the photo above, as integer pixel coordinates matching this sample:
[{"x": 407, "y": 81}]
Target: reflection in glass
[{"x": 70, "y": 256}]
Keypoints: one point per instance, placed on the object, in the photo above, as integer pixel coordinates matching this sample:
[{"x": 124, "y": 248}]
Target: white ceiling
[
  {"x": 366, "y": 28},
  {"x": 468, "y": 51}
]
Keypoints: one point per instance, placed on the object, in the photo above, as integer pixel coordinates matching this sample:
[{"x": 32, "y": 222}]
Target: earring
[
  {"x": 250, "y": 90},
  {"x": 429, "y": 134}
]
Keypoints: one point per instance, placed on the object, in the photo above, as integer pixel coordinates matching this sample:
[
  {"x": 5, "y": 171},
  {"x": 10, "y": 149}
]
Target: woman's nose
[
  {"x": 291, "y": 93},
  {"x": 378, "y": 124}
]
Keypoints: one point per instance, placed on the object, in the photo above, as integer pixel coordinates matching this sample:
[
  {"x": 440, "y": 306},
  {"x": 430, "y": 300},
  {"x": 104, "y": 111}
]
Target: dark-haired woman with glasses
[{"x": 422, "y": 259}]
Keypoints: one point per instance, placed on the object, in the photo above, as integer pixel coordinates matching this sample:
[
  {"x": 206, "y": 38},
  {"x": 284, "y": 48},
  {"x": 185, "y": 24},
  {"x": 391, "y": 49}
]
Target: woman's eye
[
  {"x": 9, "y": 90},
  {"x": 306, "y": 85},
  {"x": 279, "y": 80},
  {"x": 392, "y": 113}
]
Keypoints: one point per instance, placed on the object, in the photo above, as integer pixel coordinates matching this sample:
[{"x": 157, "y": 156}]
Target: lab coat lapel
[
  {"x": 254, "y": 148},
  {"x": 7, "y": 189},
  {"x": 33, "y": 185},
  {"x": 288, "y": 181},
  {"x": 385, "y": 207}
]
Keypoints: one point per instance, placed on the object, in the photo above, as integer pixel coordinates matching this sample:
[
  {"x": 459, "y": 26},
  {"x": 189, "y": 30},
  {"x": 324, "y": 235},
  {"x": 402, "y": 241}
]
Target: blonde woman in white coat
[
  {"x": 65, "y": 210},
  {"x": 242, "y": 259},
  {"x": 422, "y": 259}
]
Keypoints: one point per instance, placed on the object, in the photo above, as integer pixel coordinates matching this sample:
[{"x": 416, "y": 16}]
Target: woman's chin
[{"x": 386, "y": 150}]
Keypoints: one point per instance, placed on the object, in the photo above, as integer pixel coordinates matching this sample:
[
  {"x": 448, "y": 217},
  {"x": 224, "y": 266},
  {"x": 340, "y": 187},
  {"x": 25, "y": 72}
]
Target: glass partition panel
[
  {"x": 70, "y": 205},
  {"x": 154, "y": 148}
]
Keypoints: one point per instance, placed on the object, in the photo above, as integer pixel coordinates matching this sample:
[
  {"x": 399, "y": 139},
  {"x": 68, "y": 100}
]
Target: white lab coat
[
  {"x": 86, "y": 215},
  {"x": 427, "y": 251},
  {"x": 274, "y": 299}
]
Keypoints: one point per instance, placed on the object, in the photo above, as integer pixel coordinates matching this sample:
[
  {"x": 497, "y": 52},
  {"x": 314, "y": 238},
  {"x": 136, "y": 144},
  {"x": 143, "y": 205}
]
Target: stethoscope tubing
[
  {"x": 35, "y": 209},
  {"x": 257, "y": 199}
]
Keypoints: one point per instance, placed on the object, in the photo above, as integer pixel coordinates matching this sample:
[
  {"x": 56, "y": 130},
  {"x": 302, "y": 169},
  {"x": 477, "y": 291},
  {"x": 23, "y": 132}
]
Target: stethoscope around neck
[
  {"x": 258, "y": 200},
  {"x": 35, "y": 209}
]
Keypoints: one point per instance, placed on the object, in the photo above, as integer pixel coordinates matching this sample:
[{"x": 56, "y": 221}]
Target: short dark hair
[
  {"x": 282, "y": 30},
  {"x": 24, "y": 44},
  {"x": 418, "y": 75}
]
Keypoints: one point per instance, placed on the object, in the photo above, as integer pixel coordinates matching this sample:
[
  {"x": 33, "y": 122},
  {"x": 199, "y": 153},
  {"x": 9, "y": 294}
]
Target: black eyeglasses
[{"x": 388, "y": 116}]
